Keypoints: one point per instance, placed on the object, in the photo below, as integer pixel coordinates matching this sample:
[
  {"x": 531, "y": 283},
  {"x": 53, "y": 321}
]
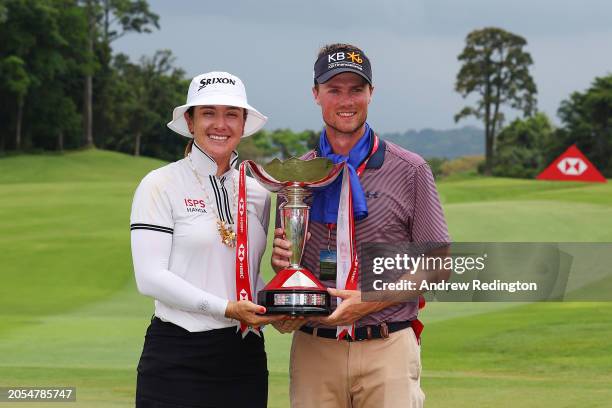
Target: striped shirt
[{"x": 403, "y": 206}]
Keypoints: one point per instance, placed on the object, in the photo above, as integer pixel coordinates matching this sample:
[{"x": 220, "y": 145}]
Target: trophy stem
[
  {"x": 294, "y": 219},
  {"x": 295, "y": 195}
]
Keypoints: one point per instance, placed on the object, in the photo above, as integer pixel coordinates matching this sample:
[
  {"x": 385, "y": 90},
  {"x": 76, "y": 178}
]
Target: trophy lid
[{"x": 297, "y": 170}]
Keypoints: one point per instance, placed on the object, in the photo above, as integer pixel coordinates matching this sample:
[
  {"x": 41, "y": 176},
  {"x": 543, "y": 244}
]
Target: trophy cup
[{"x": 295, "y": 290}]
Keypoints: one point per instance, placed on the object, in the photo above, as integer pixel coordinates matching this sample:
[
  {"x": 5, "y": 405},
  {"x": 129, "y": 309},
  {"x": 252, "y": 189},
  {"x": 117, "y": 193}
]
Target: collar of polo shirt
[{"x": 205, "y": 164}]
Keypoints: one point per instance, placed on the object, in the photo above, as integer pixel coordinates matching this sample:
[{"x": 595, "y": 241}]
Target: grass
[{"x": 70, "y": 314}]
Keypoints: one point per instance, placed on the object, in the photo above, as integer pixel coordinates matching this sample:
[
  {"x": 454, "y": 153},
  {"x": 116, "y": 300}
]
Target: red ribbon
[{"x": 243, "y": 282}]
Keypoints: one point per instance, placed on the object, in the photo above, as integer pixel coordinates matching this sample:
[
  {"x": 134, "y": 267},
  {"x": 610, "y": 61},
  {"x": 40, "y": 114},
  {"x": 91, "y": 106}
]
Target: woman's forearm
[{"x": 150, "y": 254}]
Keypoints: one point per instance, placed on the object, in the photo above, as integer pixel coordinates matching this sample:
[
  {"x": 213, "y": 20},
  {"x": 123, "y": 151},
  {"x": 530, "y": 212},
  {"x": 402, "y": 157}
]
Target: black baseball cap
[{"x": 335, "y": 62}]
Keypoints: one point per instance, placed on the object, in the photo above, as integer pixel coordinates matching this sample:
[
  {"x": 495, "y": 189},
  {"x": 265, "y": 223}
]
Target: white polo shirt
[{"x": 178, "y": 255}]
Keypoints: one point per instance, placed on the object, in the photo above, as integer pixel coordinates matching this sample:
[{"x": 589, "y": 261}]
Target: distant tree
[
  {"x": 496, "y": 68},
  {"x": 521, "y": 147},
  {"x": 16, "y": 81},
  {"x": 141, "y": 79},
  {"x": 60, "y": 108},
  {"x": 281, "y": 143},
  {"x": 158, "y": 76},
  {"x": 142, "y": 96},
  {"x": 311, "y": 139},
  {"x": 35, "y": 50},
  {"x": 109, "y": 20},
  {"x": 58, "y": 120},
  {"x": 586, "y": 119},
  {"x": 289, "y": 143},
  {"x": 435, "y": 164},
  {"x": 257, "y": 148},
  {"x": 3, "y": 11},
  {"x": 166, "y": 92}
]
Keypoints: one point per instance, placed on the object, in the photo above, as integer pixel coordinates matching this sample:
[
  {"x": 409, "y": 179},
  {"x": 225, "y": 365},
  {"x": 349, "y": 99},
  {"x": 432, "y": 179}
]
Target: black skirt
[{"x": 215, "y": 368}]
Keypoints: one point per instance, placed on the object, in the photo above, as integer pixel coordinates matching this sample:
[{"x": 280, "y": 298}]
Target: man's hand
[
  {"x": 289, "y": 325},
  {"x": 351, "y": 309},
  {"x": 249, "y": 313},
  {"x": 281, "y": 251}
]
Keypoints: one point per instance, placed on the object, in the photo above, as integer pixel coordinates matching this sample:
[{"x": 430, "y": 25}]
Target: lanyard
[
  {"x": 362, "y": 167},
  {"x": 359, "y": 171}
]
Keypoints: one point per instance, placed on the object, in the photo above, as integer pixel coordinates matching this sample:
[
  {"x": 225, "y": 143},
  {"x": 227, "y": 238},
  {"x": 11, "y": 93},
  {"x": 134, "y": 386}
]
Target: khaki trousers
[{"x": 381, "y": 373}]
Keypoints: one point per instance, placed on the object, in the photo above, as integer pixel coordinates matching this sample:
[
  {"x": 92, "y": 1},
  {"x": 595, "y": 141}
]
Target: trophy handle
[{"x": 294, "y": 220}]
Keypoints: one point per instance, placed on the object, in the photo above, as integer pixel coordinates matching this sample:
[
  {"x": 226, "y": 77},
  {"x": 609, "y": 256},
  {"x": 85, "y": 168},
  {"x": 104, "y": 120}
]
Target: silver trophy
[{"x": 295, "y": 290}]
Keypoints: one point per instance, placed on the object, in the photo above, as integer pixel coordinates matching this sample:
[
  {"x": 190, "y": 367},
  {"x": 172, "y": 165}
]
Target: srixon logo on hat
[{"x": 210, "y": 81}]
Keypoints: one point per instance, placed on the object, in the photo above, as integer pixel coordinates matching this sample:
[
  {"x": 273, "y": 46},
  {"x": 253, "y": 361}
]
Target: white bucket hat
[{"x": 216, "y": 88}]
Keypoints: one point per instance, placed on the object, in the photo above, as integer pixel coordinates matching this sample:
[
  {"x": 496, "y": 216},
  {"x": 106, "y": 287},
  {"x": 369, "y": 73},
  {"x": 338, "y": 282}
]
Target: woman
[{"x": 183, "y": 248}]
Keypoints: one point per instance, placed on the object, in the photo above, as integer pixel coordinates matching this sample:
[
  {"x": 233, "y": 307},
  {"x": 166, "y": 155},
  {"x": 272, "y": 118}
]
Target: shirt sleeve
[
  {"x": 150, "y": 254},
  {"x": 151, "y": 208},
  {"x": 428, "y": 222}
]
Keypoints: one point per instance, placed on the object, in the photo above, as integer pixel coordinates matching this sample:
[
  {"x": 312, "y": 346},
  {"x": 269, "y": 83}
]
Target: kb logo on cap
[
  {"x": 341, "y": 56},
  {"x": 209, "y": 81}
]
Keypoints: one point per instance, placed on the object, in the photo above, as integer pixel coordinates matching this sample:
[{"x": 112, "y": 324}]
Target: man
[{"x": 394, "y": 199}]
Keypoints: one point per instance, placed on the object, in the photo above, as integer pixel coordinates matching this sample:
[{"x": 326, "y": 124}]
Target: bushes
[
  {"x": 520, "y": 150},
  {"x": 442, "y": 167}
]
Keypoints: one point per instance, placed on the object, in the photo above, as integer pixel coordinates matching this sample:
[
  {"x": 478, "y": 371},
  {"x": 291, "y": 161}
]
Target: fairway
[{"x": 71, "y": 315}]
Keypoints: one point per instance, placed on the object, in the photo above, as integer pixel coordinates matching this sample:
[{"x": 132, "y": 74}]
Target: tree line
[{"x": 63, "y": 87}]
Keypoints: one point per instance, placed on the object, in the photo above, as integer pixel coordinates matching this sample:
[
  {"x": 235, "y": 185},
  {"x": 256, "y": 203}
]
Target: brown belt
[{"x": 379, "y": 331}]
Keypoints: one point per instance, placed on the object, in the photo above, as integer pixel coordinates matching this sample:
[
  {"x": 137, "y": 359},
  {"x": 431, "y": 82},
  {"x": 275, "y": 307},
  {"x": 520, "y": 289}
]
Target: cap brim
[
  {"x": 323, "y": 78},
  {"x": 254, "y": 122}
]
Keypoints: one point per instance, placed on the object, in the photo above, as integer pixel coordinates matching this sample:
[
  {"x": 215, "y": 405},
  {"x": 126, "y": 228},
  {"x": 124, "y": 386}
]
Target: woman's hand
[{"x": 249, "y": 313}]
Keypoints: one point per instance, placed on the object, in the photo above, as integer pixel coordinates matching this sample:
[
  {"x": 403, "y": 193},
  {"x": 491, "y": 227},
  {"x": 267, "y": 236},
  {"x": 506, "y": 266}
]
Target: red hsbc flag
[{"x": 572, "y": 165}]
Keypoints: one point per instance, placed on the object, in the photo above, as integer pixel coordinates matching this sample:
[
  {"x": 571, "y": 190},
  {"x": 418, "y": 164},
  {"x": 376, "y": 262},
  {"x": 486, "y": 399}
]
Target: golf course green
[{"x": 70, "y": 314}]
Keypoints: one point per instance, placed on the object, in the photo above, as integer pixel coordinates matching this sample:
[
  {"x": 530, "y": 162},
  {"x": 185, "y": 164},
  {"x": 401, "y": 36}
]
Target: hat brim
[
  {"x": 332, "y": 73},
  {"x": 254, "y": 122}
]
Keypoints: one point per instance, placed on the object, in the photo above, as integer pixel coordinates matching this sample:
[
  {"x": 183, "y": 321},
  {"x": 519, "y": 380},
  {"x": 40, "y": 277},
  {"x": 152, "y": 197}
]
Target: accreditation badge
[{"x": 327, "y": 264}]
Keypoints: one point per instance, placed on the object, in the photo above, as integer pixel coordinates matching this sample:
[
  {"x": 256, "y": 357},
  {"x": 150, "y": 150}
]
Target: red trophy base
[{"x": 297, "y": 292}]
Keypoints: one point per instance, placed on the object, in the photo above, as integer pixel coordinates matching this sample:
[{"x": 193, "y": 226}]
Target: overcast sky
[{"x": 412, "y": 44}]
